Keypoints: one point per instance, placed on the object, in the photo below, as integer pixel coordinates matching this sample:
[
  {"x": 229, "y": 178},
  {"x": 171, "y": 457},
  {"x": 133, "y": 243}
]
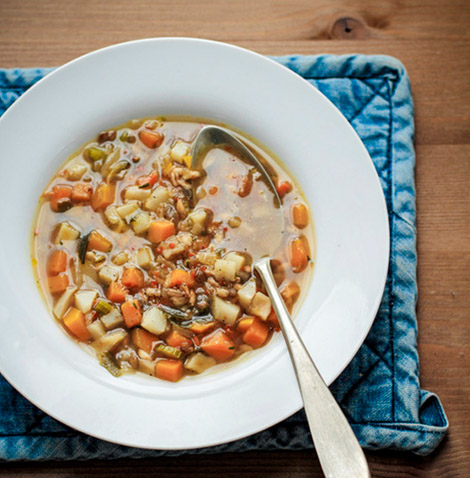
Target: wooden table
[{"x": 432, "y": 39}]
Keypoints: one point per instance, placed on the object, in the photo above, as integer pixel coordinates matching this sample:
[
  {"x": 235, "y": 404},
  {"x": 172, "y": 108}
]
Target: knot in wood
[{"x": 349, "y": 28}]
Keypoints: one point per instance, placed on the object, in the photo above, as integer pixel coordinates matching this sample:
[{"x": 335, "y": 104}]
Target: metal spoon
[{"x": 337, "y": 447}]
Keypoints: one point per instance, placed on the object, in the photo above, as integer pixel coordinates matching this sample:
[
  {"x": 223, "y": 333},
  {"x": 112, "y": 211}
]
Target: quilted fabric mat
[{"x": 379, "y": 391}]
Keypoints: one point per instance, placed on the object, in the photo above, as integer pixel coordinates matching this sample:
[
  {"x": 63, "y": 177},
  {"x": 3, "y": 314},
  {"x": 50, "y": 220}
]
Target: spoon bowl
[{"x": 215, "y": 137}]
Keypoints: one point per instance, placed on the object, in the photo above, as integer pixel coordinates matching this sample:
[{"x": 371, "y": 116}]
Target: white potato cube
[
  {"x": 158, "y": 196},
  {"x": 64, "y": 302},
  {"x": 76, "y": 171},
  {"x": 225, "y": 311},
  {"x": 108, "y": 341},
  {"x": 136, "y": 193},
  {"x": 198, "y": 362},
  {"x": 260, "y": 306},
  {"x": 66, "y": 232},
  {"x": 147, "y": 366},
  {"x": 112, "y": 320},
  {"x": 84, "y": 299},
  {"x": 154, "y": 320},
  {"x": 178, "y": 151},
  {"x": 108, "y": 274},
  {"x": 127, "y": 209},
  {"x": 225, "y": 270},
  {"x": 145, "y": 257},
  {"x": 96, "y": 329},
  {"x": 246, "y": 293},
  {"x": 238, "y": 259},
  {"x": 141, "y": 222}
]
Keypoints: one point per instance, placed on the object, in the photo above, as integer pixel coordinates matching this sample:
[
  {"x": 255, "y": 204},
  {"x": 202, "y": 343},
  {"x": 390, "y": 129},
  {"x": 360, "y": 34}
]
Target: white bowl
[{"x": 243, "y": 89}]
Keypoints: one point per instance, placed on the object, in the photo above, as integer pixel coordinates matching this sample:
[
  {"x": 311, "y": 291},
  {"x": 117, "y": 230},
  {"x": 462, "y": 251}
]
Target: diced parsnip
[
  {"x": 185, "y": 238},
  {"x": 147, "y": 366},
  {"x": 121, "y": 258},
  {"x": 238, "y": 259},
  {"x": 84, "y": 299},
  {"x": 171, "y": 251},
  {"x": 66, "y": 232},
  {"x": 127, "y": 209},
  {"x": 206, "y": 258},
  {"x": 145, "y": 257},
  {"x": 225, "y": 270},
  {"x": 64, "y": 302},
  {"x": 225, "y": 311},
  {"x": 197, "y": 220},
  {"x": 136, "y": 193},
  {"x": 76, "y": 171},
  {"x": 260, "y": 306},
  {"x": 108, "y": 274},
  {"x": 115, "y": 219},
  {"x": 178, "y": 151},
  {"x": 198, "y": 362},
  {"x": 96, "y": 258},
  {"x": 108, "y": 341},
  {"x": 144, "y": 355},
  {"x": 112, "y": 320},
  {"x": 158, "y": 196},
  {"x": 141, "y": 222},
  {"x": 246, "y": 293},
  {"x": 154, "y": 320},
  {"x": 96, "y": 329}
]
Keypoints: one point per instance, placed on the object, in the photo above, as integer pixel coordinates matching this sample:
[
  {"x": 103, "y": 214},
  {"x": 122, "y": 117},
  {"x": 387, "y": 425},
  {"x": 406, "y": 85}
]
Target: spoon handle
[{"x": 337, "y": 447}]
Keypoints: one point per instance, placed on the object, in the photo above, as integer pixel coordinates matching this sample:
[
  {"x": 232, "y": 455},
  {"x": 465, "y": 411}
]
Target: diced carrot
[
  {"x": 272, "y": 318},
  {"x": 81, "y": 193},
  {"x": 290, "y": 293},
  {"x": 178, "y": 277},
  {"x": 256, "y": 334},
  {"x": 132, "y": 313},
  {"x": 58, "y": 284},
  {"x": 147, "y": 181},
  {"x": 218, "y": 345},
  {"x": 197, "y": 340},
  {"x": 133, "y": 278},
  {"x": 167, "y": 369},
  {"x": 144, "y": 340},
  {"x": 116, "y": 292},
  {"x": 98, "y": 242},
  {"x": 60, "y": 198},
  {"x": 298, "y": 255},
  {"x": 175, "y": 339},
  {"x": 299, "y": 215},
  {"x": 151, "y": 139},
  {"x": 199, "y": 328},
  {"x": 75, "y": 321},
  {"x": 161, "y": 230},
  {"x": 57, "y": 262},
  {"x": 244, "y": 324},
  {"x": 283, "y": 188},
  {"x": 103, "y": 196}
]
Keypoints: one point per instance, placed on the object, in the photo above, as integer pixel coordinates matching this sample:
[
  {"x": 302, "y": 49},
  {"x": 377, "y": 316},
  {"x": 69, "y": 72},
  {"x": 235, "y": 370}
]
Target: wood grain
[{"x": 432, "y": 39}]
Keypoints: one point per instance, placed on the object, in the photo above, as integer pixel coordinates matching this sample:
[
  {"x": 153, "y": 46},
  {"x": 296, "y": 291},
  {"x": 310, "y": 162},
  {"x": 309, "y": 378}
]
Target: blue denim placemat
[{"x": 379, "y": 391}]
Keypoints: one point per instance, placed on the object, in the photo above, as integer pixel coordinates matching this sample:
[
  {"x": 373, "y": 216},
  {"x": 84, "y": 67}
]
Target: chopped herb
[
  {"x": 143, "y": 186},
  {"x": 83, "y": 247},
  {"x": 231, "y": 348}
]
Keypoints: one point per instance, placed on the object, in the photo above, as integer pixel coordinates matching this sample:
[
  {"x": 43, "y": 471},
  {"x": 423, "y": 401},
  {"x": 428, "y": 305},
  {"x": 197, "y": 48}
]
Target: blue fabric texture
[{"x": 379, "y": 391}]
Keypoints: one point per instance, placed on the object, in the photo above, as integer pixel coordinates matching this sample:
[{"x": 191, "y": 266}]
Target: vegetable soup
[{"x": 145, "y": 261}]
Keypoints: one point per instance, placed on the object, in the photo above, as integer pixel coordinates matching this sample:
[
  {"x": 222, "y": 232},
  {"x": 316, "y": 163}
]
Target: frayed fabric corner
[{"x": 379, "y": 391}]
